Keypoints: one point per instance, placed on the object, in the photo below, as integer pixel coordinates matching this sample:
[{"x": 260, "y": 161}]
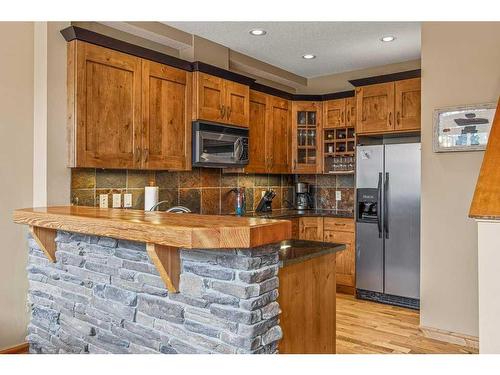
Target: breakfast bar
[{"x": 129, "y": 281}]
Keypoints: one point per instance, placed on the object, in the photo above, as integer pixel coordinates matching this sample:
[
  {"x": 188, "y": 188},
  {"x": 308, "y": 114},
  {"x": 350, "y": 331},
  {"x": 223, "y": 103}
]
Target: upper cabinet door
[
  {"x": 258, "y": 157},
  {"x": 306, "y": 137},
  {"x": 210, "y": 98},
  {"x": 408, "y": 104},
  {"x": 236, "y": 108},
  {"x": 108, "y": 107},
  {"x": 166, "y": 111},
  {"x": 278, "y": 145},
  {"x": 350, "y": 112},
  {"x": 335, "y": 113},
  {"x": 375, "y": 108}
]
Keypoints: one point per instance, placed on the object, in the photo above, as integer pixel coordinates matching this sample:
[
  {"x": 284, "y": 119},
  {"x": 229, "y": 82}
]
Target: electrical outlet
[
  {"x": 103, "y": 200},
  {"x": 117, "y": 200},
  {"x": 127, "y": 200},
  {"x": 338, "y": 195}
]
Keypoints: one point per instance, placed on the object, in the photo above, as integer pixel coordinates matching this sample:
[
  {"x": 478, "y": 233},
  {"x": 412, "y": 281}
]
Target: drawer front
[
  {"x": 338, "y": 237},
  {"x": 311, "y": 228},
  {"x": 339, "y": 224}
]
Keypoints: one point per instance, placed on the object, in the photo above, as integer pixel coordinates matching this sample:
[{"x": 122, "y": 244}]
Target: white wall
[
  {"x": 32, "y": 151},
  {"x": 460, "y": 65},
  {"x": 58, "y": 175},
  {"x": 489, "y": 287},
  {"x": 16, "y": 160}
]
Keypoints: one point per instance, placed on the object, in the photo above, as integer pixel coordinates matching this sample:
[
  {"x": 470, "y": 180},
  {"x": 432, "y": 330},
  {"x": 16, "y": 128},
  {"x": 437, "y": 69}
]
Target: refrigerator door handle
[
  {"x": 379, "y": 211},
  {"x": 386, "y": 205}
]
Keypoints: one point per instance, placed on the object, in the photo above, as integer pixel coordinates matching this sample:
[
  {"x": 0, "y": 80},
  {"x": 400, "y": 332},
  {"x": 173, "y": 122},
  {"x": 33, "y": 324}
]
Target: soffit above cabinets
[{"x": 339, "y": 46}]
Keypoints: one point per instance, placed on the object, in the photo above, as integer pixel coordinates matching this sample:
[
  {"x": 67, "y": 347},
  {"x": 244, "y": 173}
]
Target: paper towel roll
[{"x": 150, "y": 197}]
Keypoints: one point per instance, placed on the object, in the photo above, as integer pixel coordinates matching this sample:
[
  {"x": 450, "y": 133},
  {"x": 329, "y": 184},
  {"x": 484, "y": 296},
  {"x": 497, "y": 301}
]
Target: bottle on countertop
[{"x": 240, "y": 202}]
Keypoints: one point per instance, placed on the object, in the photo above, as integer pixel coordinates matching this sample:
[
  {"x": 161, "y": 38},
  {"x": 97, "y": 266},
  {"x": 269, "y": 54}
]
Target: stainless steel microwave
[{"x": 218, "y": 146}]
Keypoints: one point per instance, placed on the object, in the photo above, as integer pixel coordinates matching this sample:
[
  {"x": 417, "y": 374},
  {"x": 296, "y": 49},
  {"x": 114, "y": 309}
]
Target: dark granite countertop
[
  {"x": 296, "y": 251},
  {"x": 291, "y": 213}
]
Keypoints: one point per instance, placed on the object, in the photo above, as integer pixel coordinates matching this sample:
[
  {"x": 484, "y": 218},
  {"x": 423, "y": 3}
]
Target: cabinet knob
[
  {"x": 398, "y": 117},
  {"x": 390, "y": 118}
]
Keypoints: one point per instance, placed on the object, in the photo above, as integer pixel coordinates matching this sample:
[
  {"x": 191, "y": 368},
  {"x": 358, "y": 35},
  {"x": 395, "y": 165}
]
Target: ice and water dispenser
[{"x": 367, "y": 205}]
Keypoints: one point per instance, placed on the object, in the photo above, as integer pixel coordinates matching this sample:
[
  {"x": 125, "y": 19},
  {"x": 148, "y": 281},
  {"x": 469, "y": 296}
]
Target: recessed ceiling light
[
  {"x": 308, "y": 56},
  {"x": 387, "y": 38},
  {"x": 258, "y": 32}
]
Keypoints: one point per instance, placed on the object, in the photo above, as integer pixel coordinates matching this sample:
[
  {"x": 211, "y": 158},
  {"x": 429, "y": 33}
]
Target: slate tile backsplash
[{"x": 207, "y": 190}]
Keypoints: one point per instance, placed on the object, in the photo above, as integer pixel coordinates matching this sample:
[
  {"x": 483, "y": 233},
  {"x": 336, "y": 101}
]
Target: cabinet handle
[
  {"x": 390, "y": 118},
  {"x": 340, "y": 224},
  {"x": 294, "y": 164},
  {"x": 137, "y": 155},
  {"x": 348, "y": 115},
  {"x": 146, "y": 155},
  {"x": 221, "y": 109},
  {"x": 228, "y": 112},
  {"x": 398, "y": 117},
  {"x": 343, "y": 117}
]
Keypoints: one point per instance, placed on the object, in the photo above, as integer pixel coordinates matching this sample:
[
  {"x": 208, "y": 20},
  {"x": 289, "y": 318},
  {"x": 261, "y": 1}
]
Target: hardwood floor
[{"x": 365, "y": 327}]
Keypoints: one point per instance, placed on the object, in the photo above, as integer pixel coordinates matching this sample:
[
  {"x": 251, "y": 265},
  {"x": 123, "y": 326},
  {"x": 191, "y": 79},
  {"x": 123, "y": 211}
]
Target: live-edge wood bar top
[
  {"x": 486, "y": 201},
  {"x": 162, "y": 228}
]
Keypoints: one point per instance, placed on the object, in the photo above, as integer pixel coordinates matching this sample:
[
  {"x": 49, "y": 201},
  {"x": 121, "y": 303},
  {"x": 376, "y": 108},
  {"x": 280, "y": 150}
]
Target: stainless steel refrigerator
[{"x": 388, "y": 223}]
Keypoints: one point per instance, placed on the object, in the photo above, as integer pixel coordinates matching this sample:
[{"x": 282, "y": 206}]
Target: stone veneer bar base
[{"x": 105, "y": 296}]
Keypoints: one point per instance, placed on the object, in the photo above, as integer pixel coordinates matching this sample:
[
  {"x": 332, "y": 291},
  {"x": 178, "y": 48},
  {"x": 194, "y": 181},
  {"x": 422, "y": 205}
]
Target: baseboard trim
[
  {"x": 346, "y": 289},
  {"x": 18, "y": 349},
  {"x": 451, "y": 337}
]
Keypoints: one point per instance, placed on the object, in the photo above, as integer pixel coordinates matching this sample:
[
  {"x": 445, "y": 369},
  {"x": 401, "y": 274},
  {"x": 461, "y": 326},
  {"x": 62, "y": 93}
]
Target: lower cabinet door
[{"x": 345, "y": 264}]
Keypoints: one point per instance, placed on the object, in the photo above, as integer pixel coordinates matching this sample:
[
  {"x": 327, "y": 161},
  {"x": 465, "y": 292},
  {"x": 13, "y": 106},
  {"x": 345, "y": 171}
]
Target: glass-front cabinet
[{"x": 306, "y": 137}]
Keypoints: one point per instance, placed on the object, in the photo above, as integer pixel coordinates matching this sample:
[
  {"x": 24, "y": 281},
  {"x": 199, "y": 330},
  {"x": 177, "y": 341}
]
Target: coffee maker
[{"x": 302, "y": 196}]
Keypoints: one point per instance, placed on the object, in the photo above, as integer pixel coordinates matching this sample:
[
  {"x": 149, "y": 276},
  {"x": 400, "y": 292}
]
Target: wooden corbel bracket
[
  {"x": 46, "y": 240},
  {"x": 167, "y": 260}
]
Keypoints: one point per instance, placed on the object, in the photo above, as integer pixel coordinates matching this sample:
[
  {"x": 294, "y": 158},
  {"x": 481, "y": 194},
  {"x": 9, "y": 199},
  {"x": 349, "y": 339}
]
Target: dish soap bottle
[{"x": 240, "y": 203}]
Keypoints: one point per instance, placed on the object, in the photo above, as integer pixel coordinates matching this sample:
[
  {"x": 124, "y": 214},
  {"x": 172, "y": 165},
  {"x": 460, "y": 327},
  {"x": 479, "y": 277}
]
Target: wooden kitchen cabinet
[
  {"x": 311, "y": 228},
  {"x": 258, "y": 133},
  {"x": 104, "y": 100},
  {"x": 340, "y": 230},
  {"x": 306, "y": 137},
  {"x": 209, "y": 98},
  {"x": 338, "y": 134},
  {"x": 269, "y": 134},
  {"x": 166, "y": 117},
  {"x": 407, "y": 97},
  {"x": 334, "y": 113},
  {"x": 278, "y": 146},
  {"x": 375, "y": 108},
  {"x": 391, "y": 107},
  {"x": 219, "y": 100},
  {"x": 126, "y": 112}
]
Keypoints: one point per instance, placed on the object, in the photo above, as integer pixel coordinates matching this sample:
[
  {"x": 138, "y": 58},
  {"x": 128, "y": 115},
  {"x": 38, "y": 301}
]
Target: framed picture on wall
[{"x": 463, "y": 128}]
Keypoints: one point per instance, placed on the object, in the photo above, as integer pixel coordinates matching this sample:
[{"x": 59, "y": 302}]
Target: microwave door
[{"x": 217, "y": 148}]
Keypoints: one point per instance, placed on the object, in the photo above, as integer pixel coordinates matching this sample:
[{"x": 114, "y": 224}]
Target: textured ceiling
[{"x": 339, "y": 46}]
